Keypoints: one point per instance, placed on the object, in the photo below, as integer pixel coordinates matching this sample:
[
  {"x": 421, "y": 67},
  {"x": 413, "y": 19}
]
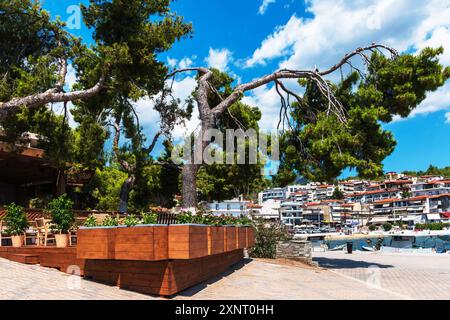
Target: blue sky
[{"x": 249, "y": 38}]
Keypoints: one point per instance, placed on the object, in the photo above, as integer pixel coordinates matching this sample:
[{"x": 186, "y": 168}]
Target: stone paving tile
[
  {"x": 25, "y": 282},
  {"x": 347, "y": 277},
  {"x": 406, "y": 275}
]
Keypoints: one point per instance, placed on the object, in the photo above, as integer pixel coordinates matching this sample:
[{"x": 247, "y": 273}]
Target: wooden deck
[
  {"x": 63, "y": 259},
  {"x": 162, "y": 278}
]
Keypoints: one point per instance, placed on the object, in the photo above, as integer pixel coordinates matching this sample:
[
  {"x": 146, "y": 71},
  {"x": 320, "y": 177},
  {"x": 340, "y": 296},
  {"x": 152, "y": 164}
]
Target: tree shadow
[
  {"x": 203, "y": 285},
  {"x": 348, "y": 264}
]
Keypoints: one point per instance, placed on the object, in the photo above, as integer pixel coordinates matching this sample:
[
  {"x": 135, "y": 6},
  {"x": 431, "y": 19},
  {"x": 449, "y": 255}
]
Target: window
[{"x": 217, "y": 206}]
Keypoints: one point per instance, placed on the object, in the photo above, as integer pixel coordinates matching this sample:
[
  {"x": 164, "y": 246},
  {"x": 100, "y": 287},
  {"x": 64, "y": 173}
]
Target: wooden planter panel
[
  {"x": 250, "y": 237},
  {"x": 164, "y": 278},
  {"x": 187, "y": 241},
  {"x": 241, "y": 237},
  {"x": 146, "y": 243},
  {"x": 96, "y": 243},
  {"x": 215, "y": 240},
  {"x": 230, "y": 239}
]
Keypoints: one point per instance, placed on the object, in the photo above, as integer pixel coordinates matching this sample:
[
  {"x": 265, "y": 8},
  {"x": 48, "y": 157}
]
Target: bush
[
  {"x": 149, "y": 218},
  {"x": 267, "y": 236},
  {"x": 90, "y": 221},
  {"x": 131, "y": 221},
  {"x": 434, "y": 226},
  {"x": 61, "y": 212},
  {"x": 387, "y": 227},
  {"x": 372, "y": 228},
  {"x": 110, "y": 222},
  {"x": 16, "y": 220}
]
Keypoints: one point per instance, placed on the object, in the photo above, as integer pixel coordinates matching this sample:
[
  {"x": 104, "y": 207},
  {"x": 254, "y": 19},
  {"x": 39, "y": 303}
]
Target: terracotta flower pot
[
  {"x": 62, "y": 240},
  {"x": 17, "y": 241}
]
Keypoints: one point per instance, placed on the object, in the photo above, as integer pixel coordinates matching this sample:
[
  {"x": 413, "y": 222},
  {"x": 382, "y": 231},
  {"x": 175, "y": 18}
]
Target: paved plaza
[{"x": 358, "y": 276}]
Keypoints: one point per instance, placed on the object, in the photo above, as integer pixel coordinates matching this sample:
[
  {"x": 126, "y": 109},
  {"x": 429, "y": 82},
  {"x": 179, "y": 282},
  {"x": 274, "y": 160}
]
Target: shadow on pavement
[
  {"x": 348, "y": 264},
  {"x": 199, "y": 287}
]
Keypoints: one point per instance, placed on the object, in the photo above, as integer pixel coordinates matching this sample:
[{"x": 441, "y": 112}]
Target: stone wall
[{"x": 295, "y": 249}]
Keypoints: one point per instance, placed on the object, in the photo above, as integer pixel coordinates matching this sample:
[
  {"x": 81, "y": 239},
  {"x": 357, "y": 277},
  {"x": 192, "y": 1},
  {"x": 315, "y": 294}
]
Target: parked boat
[
  {"x": 338, "y": 248},
  {"x": 371, "y": 249}
]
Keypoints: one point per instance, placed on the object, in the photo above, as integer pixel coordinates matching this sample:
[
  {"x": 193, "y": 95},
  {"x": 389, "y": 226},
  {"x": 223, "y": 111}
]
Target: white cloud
[
  {"x": 337, "y": 27},
  {"x": 447, "y": 117},
  {"x": 219, "y": 58},
  {"x": 185, "y": 63},
  {"x": 264, "y": 5},
  {"x": 172, "y": 62}
]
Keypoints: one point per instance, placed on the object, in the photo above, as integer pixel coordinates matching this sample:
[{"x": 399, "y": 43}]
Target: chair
[
  {"x": 31, "y": 233},
  {"x": 79, "y": 221},
  {"x": 3, "y": 228},
  {"x": 44, "y": 232}
]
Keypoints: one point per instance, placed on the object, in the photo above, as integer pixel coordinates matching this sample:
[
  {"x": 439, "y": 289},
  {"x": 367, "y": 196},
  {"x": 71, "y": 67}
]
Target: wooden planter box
[
  {"x": 96, "y": 243},
  {"x": 145, "y": 243},
  {"x": 241, "y": 237},
  {"x": 230, "y": 238},
  {"x": 187, "y": 241},
  {"x": 216, "y": 240},
  {"x": 250, "y": 231}
]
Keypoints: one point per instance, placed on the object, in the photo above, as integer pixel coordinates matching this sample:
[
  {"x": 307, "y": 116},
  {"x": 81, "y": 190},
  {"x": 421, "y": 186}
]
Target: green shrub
[
  {"x": 149, "y": 218},
  {"x": 372, "y": 228},
  {"x": 185, "y": 217},
  {"x": 131, "y": 221},
  {"x": 61, "y": 212},
  {"x": 110, "y": 222},
  {"x": 267, "y": 236},
  {"x": 387, "y": 227},
  {"x": 90, "y": 221},
  {"x": 434, "y": 226},
  {"x": 16, "y": 220}
]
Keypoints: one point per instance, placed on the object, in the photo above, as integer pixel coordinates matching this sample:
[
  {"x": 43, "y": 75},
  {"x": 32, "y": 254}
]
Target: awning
[
  {"x": 434, "y": 216},
  {"x": 379, "y": 220},
  {"x": 446, "y": 214}
]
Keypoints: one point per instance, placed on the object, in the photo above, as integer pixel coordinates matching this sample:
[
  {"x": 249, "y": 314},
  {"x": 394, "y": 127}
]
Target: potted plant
[
  {"x": 63, "y": 219},
  {"x": 16, "y": 221}
]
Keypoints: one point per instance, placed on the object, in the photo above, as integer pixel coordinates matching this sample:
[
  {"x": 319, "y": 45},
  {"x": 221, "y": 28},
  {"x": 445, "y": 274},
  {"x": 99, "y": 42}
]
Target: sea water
[{"x": 424, "y": 242}]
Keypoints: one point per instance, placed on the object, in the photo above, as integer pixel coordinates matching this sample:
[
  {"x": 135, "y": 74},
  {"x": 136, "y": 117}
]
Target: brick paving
[
  {"x": 358, "y": 276},
  {"x": 409, "y": 276}
]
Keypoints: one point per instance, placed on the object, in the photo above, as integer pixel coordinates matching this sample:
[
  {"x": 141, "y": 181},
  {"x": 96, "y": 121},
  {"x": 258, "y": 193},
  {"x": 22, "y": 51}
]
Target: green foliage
[
  {"x": 149, "y": 218},
  {"x": 372, "y": 228},
  {"x": 185, "y": 217},
  {"x": 387, "y": 226},
  {"x": 110, "y": 222},
  {"x": 267, "y": 236},
  {"x": 61, "y": 212},
  {"x": 16, "y": 220},
  {"x": 91, "y": 221},
  {"x": 434, "y": 226},
  {"x": 105, "y": 188},
  {"x": 131, "y": 220},
  {"x": 319, "y": 146},
  {"x": 432, "y": 170},
  {"x": 338, "y": 194}
]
